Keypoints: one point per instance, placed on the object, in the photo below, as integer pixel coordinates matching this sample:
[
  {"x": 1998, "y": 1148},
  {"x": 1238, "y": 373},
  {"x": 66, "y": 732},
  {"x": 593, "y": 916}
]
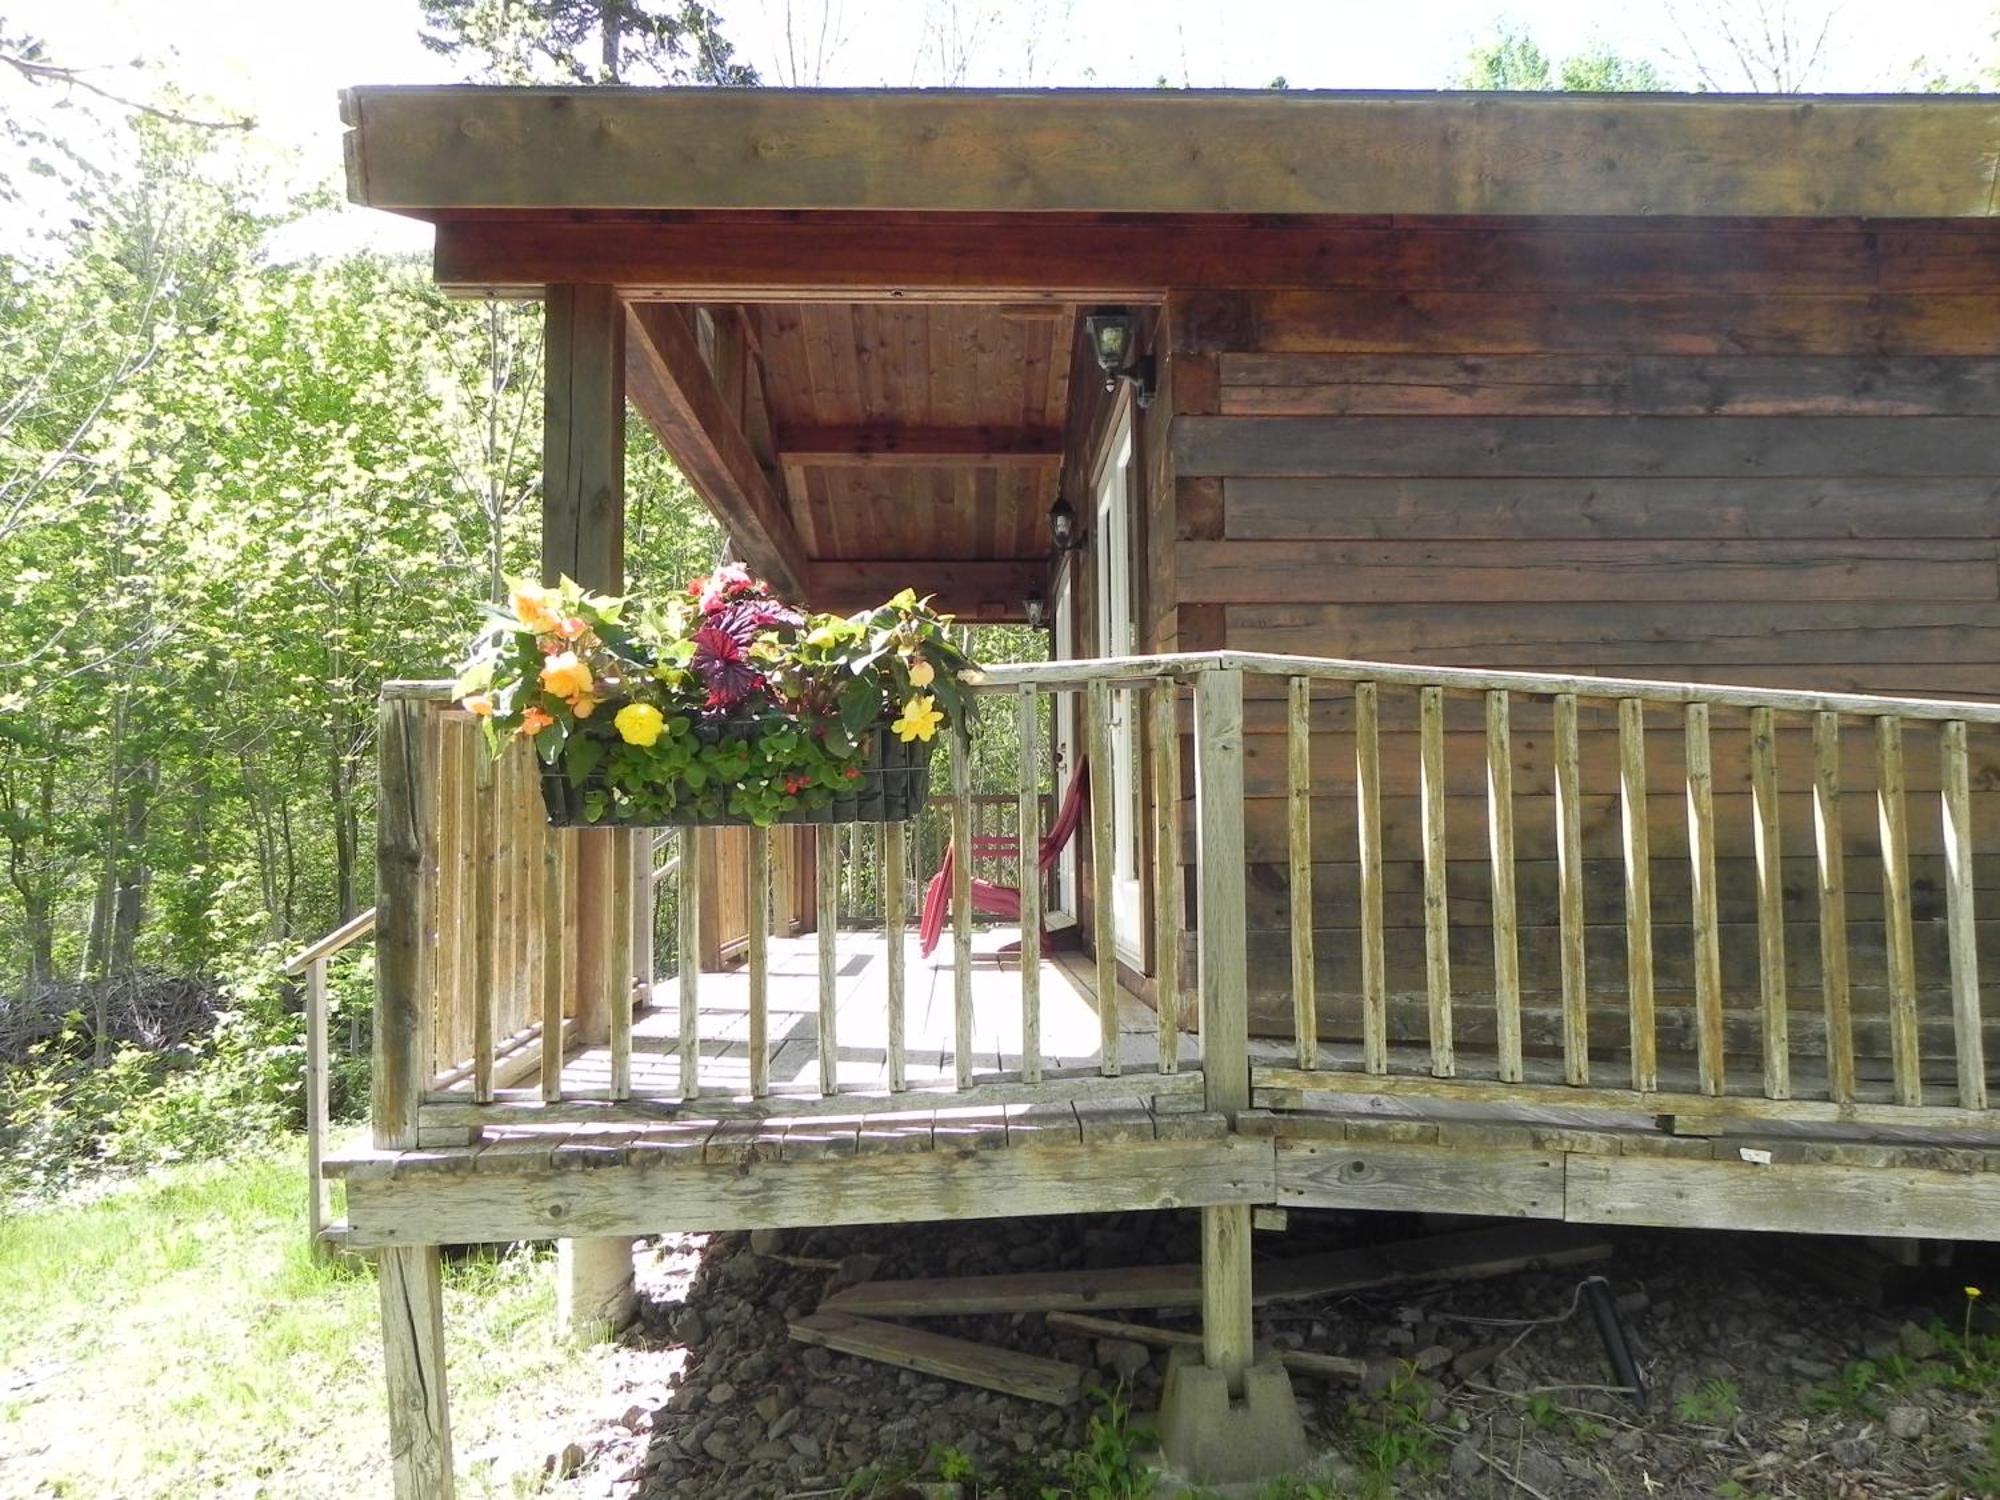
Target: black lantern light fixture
[
  {"x": 1114, "y": 342},
  {"x": 1036, "y": 609},
  {"x": 1063, "y": 529}
]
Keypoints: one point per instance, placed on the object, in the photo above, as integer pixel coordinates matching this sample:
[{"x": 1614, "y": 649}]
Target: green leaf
[{"x": 860, "y": 704}]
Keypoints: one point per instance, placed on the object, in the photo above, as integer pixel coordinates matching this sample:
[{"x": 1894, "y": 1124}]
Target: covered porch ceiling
[{"x": 852, "y": 314}]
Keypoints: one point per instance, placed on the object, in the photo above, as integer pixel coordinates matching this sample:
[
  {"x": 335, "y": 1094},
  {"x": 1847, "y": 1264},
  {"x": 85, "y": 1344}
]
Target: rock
[
  {"x": 767, "y": 1241},
  {"x": 564, "y": 1463},
  {"x": 1399, "y": 1338},
  {"x": 1628, "y": 1440},
  {"x": 769, "y": 1407},
  {"x": 806, "y": 1446},
  {"x": 1468, "y": 1364},
  {"x": 1812, "y": 1369},
  {"x": 770, "y": 1453},
  {"x": 721, "y": 1393},
  {"x": 855, "y": 1269},
  {"x": 1466, "y": 1461},
  {"x": 719, "y": 1446},
  {"x": 690, "y": 1327},
  {"x": 1915, "y": 1343},
  {"x": 1543, "y": 1472},
  {"x": 636, "y": 1419},
  {"x": 1377, "y": 1374},
  {"x": 1432, "y": 1357},
  {"x": 783, "y": 1423},
  {"x": 1907, "y": 1422},
  {"x": 1124, "y": 1358}
]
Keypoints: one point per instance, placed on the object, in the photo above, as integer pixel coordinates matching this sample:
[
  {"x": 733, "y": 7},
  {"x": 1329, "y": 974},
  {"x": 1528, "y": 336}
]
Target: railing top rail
[
  {"x": 1188, "y": 664},
  {"x": 1071, "y": 674},
  {"x": 354, "y": 927}
]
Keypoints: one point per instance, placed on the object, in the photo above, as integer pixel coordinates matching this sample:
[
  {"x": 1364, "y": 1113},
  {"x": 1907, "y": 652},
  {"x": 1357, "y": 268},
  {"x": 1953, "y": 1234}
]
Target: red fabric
[{"x": 998, "y": 900}]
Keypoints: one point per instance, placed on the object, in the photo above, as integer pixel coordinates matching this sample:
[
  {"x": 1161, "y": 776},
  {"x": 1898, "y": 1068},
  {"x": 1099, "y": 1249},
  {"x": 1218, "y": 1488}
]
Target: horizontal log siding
[{"x": 1761, "y": 455}]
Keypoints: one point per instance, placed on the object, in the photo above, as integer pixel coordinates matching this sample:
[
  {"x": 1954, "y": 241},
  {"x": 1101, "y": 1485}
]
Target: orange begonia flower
[{"x": 535, "y": 720}]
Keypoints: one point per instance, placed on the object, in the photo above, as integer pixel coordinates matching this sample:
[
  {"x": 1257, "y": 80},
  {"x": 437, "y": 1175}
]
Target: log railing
[
  {"x": 1671, "y": 897},
  {"x": 310, "y": 964}
]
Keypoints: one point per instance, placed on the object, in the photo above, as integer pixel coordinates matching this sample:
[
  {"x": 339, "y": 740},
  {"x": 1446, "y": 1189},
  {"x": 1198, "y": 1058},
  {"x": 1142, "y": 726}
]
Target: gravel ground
[{"x": 1489, "y": 1389}]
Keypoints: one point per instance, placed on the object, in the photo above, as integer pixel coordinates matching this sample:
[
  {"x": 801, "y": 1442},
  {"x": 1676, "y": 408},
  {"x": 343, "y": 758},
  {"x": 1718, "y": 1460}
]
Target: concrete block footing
[{"x": 1214, "y": 1439}]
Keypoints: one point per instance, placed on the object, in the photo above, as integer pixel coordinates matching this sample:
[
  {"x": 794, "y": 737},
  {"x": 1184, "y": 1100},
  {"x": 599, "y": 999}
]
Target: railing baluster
[
  {"x": 1828, "y": 844},
  {"x": 506, "y": 892},
  {"x": 687, "y": 939},
  {"x": 486, "y": 928},
  {"x": 1770, "y": 904},
  {"x": 1569, "y": 882},
  {"x": 827, "y": 922},
  {"x": 961, "y": 905},
  {"x": 318, "y": 1122},
  {"x": 1298, "y": 765},
  {"x": 1437, "y": 911},
  {"x": 1102, "y": 809},
  {"x": 1167, "y": 896},
  {"x": 1956, "y": 800},
  {"x": 456, "y": 738},
  {"x": 1707, "y": 938},
  {"x": 555, "y": 958},
  {"x": 618, "y": 963},
  {"x": 1368, "y": 826},
  {"x": 1500, "y": 847},
  {"x": 1892, "y": 822},
  {"x": 760, "y": 962},
  {"x": 892, "y": 936},
  {"x": 645, "y": 908},
  {"x": 1636, "y": 845},
  {"x": 1028, "y": 842},
  {"x": 534, "y": 929}
]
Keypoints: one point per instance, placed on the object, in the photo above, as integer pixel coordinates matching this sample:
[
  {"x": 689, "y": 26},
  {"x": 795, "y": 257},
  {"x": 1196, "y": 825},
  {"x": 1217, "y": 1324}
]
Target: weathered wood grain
[
  {"x": 1500, "y": 842},
  {"x": 1799, "y": 1199},
  {"x": 1892, "y": 820},
  {"x": 986, "y": 1366},
  {"x": 411, "y": 1285},
  {"x": 1968, "y": 1042}
]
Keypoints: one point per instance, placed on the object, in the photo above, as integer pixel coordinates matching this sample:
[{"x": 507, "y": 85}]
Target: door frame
[{"x": 1114, "y": 601}]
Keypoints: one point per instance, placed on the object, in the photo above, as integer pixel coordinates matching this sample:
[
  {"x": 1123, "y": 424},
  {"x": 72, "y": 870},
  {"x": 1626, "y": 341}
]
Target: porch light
[
  {"x": 1033, "y": 607},
  {"x": 1114, "y": 341},
  {"x": 1063, "y": 530}
]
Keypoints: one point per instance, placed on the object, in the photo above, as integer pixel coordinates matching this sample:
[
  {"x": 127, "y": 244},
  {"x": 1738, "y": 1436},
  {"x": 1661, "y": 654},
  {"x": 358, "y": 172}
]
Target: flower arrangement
[{"x": 726, "y": 706}]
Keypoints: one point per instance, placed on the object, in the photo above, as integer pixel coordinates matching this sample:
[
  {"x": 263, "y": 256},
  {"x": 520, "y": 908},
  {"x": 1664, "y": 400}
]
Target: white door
[
  {"x": 1063, "y": 648},
  {"x": 1116, "y": 637}
]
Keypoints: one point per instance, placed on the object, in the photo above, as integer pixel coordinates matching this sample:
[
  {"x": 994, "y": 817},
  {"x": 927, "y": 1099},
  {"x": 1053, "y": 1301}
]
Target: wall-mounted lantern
[
  {"x": 1063, "y": 529},
  {"x": 1114, "y": 342}
]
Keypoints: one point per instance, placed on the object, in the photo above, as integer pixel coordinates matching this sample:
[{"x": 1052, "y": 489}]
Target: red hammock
[{"x": 999, "y": 900}]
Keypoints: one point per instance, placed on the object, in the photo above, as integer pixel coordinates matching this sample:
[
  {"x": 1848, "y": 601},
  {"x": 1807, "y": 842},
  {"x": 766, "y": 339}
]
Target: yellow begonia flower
[
  {"x": 565, "y": 676},
  {"x": 920, "y": 719},
  {"x": 921, "y": 673},
  {"x": 535, "y": 608},
  {"x": 639, "y": 724}
]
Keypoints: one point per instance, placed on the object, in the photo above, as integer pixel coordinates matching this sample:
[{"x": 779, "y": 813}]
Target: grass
[{"x": 175, "y": 1336}]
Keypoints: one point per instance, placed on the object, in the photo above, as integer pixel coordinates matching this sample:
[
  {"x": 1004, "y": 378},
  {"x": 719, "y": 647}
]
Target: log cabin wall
[{"x": 1761, "y": 454}]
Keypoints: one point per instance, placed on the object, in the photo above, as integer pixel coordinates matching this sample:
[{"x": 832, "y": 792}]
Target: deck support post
[
  {"x": 583, "y": 537},
  {"x": 408, "y": 1277},
  {"x": 1226, "y": 1416}
]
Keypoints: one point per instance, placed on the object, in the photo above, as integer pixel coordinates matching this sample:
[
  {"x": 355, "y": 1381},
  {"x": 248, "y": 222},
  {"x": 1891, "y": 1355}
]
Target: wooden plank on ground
[
  {"x": 1028, "y": 1376},
  {"x": 1298, "y": 1361}
]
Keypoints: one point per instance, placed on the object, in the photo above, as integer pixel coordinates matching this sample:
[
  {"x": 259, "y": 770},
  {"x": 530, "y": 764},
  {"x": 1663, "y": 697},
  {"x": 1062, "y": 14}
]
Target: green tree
[
  {"x": 585, "y": 41},
  {"x": 1511, "y": 59}
]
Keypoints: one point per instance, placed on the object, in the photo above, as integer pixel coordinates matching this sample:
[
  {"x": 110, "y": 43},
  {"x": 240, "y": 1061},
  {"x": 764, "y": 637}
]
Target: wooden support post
[
  {"x": 1770, "y": 904},
  {"x": 760, "y": 962},
  {"x": 1569, "y": 880},
  {"x": 827, "y": 892},
  {"x": 961, "y": 905},
  {"x": 1892, "y": 820},
  {"x": 1437, "y": 914},
  {"x": 594, "y": 1288},
  {"x": 1832, "y": 907},
  {"x": 583, "y": 537},
  {"x": 1956, "y": 806},
  {"x": 1636, "y": 845},
  {"x": 687, "y": 938},
  {"x": 618, "y": 962},
  {"x": 1707, "y": 936},
  {"x": 317, "y": 1125},
  {"x": 1029, "y": 846},
  {"x": 1368, "y": 826},
  {"x": 1167, "y": 893},
  {"x": 1298, "y": 787},
  {"x": 1500, "y": 845},
  {"x": 1103, "y": 941},
  {"x": 409, "y": 1277},
  {"x": 644, "y": 912},
  {"x": 1227, "y": 1327},
  {"x": 893, "y": 900},
  {"x": 410, "y": 1280}
]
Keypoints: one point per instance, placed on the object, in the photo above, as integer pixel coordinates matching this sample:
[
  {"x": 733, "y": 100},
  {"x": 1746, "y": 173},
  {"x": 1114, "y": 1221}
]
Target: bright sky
[{"x": 284, "y": 61}]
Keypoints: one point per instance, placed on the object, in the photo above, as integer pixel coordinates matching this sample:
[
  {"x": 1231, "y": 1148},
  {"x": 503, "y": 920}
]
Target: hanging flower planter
[{"x": 727, "y": 707}]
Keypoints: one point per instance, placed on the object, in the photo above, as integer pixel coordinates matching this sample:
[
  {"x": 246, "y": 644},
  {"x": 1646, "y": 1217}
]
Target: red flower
[{"x": 852, "y": 773}]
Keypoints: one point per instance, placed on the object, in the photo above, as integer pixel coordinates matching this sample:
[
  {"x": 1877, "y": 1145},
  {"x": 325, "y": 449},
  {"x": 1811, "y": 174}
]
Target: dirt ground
[{"x": 1767, "y": 1374}]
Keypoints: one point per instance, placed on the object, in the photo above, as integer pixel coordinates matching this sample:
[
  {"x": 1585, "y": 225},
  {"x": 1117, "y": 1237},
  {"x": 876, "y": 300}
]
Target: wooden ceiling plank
[
  {"x": 670, "y": 384},
  {"x": 991, "y": 591},
  {"x": 889, "y": 445}
]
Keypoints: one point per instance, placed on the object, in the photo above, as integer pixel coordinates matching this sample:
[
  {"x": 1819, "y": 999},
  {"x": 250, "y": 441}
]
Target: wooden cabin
[{"x": 1531, "y": 609}]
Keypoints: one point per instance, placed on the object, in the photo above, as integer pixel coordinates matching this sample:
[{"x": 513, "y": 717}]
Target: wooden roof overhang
[{"x": 877, "y": 393}]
